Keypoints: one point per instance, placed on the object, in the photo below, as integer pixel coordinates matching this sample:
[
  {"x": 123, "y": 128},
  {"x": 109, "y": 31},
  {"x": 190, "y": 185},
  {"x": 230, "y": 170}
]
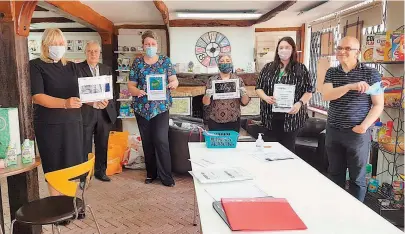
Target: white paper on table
[
  {"x": 235, "y": 190},
  {"x": 284, "y": 95},
  {"x": 156, "y": 87},
  {"x": 226, "y": 89},
  {"x": 220, "y": 175},
  {"x": 202, "y": 162},
  {"x": 267, "y": 156},
  {"x": 94, "y": 89}
]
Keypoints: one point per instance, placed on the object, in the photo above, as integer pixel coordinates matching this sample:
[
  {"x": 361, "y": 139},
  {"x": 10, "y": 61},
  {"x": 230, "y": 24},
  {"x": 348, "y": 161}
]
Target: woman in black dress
[{"x": 57, "y": 116}]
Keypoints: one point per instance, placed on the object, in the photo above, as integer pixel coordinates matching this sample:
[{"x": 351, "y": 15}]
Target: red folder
[{"x": 261, "y": 214}]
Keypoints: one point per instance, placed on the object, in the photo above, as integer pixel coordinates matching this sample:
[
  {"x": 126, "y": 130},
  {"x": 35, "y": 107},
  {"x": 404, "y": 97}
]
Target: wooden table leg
[{"x": 23, "y": 188}]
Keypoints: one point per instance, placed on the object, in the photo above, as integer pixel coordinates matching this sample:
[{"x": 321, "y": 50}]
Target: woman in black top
[
  {"x": 57, "y": 116},
  {"x": 284, "y": 70}
]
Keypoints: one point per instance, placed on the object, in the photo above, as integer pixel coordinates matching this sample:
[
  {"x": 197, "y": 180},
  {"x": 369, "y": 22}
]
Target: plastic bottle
[
  {"x": 347, "y": 179},
  {"x": 369, "y": 168},
  {"x": 260, "y": 142},
  {"x": 375, "y": 130}
]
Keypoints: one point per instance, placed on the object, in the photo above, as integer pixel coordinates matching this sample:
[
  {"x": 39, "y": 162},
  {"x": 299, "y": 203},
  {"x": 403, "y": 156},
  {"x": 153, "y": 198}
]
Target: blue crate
[{"x": 221, "y": 139}]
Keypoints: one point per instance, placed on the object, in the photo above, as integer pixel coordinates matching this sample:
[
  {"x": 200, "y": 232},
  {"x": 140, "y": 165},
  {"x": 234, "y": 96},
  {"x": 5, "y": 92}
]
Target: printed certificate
[
  {"x": 94, "y": 89},
  {"x": 156, "y": 87}
]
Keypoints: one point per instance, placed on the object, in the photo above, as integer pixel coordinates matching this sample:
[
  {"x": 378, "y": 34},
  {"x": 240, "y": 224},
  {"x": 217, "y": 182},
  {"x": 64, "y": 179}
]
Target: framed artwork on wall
[
  {"x": 181, "y": 106},
  {"x": 327, "y": 44},
  {"x": 354, "y": 30}
]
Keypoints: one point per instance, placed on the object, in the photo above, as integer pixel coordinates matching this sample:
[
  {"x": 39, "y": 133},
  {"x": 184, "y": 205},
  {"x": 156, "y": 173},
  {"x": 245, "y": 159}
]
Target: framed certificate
[
  {"x": 226, "y": 89},
  {"x": 94, "y": 89},
  {"x": 156, "y": 87},
  {"x": 284, "y": 95}
]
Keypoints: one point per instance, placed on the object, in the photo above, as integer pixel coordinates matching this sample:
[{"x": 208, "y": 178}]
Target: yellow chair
[{"x": 55, "y": 209}]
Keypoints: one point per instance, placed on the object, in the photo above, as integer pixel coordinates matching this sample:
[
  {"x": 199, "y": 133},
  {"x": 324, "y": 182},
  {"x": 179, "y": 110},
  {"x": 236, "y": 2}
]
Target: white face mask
[
  {"x": 284, "y": 54},
  {"x": 56, "y": 52}
]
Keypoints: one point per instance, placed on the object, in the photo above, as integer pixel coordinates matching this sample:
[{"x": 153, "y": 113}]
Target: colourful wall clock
[{"x": 209, "y": 46}]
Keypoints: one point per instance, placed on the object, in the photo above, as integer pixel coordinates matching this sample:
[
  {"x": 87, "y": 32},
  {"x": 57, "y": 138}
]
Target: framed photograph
[
  {"x": 181, "y": 106},
  {"x": 156, "y": 87},
  {"x": 93, "y": 89},
  {"x": 226, "y": 89},
  {"x": 125, "y": 63},
  {"x": 33, "y": 46},
  {"x": 327, "y": 44},
  {"x": 354, "y": 30}
]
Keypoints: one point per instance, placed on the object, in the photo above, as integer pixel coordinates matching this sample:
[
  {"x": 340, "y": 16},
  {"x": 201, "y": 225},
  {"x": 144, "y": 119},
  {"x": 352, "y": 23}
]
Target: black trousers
[
  {"x": 347, "y": 149},
  {"x": 99, "y": 126},
  {"x": 230, "y": 126},
  {"x": 155, "y": 144},
  {"x": 277, "y": 134}
]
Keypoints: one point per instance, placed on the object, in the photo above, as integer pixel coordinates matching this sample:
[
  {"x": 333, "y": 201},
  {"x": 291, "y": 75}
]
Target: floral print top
[{"x": 139, "y": 70}]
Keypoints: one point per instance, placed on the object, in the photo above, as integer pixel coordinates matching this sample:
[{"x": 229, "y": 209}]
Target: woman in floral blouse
[
  {"x": 224, "y": 114},
  {"x": 152, "y": 114}
]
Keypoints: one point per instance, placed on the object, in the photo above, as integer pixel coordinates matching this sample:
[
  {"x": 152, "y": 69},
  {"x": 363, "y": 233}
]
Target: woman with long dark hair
[{"x": 285, "y": 73}]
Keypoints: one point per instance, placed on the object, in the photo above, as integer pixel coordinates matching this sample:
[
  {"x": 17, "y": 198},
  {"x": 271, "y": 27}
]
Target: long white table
[{"x": 324, "y": 207}]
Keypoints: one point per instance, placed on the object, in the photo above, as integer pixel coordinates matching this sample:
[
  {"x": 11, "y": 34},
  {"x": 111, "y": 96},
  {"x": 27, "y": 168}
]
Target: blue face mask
[
  {"x": 151, "y": 51},
  {"x": 376, "y": 89},
  {"x": 225, "y": 67}
]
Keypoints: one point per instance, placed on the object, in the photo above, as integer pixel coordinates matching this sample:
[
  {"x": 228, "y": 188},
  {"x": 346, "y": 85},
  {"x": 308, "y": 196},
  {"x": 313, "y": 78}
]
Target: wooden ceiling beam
[
  {"x": 136, "y": 26},
  {"x": 277, "y": 29},
  {"x": 79, "y": 12},
  {"x": 51, "y": 20},
  {"x": 161, "y": 6},
  {"x": 66, "y": 30},
  {"x": 19, "y": 12},
  {"x": 38, "y": 8},
  {"x": 282, "y": 7},
  {"x": 210, "y": 23}
]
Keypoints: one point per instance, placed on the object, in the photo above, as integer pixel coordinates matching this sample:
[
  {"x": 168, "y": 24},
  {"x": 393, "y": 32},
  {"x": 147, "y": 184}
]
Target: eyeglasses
[
  {"x": 347, "y": 49},
  {"x": 93, "y": 51}
]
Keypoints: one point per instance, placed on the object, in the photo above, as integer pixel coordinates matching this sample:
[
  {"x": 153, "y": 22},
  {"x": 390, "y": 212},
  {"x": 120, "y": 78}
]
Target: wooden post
[
  {"x": 16, "y": 92},
  {"x": 109, "y": 44}
]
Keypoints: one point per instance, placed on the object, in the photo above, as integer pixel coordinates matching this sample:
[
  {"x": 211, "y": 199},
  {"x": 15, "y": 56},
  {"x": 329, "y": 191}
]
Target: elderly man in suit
[{"x": 98, "y": 117}]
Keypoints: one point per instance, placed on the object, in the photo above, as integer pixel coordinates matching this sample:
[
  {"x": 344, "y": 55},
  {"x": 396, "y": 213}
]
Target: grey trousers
[{"x": 347, "y": 149}]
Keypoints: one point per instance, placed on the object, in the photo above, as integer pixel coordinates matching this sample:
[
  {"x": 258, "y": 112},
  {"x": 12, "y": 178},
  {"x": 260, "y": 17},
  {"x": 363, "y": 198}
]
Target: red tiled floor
[{"x": 127, "y": 205}]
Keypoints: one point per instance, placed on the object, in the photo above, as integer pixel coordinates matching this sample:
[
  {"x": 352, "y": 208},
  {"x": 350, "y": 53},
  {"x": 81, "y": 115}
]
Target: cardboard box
[
  {"x": 388, "y": 47},
  {"x": 368, "y": 48},
  {"x": 9, "y": 130},
  {"x": 379, "y": 47},
  {"x": 398, "y": 46}
]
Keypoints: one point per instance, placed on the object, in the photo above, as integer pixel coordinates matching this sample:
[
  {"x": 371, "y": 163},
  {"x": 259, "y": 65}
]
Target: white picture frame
[
  {"x": 156, "y": 87},
  {"x": 181, "y": 106},
  {"x": 226, "y": 89}
]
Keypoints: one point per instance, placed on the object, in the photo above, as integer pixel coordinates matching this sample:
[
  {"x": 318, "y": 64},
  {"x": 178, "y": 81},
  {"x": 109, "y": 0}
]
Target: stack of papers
[
  {"x": 235, "y": 190},
  {"x": 271, "y": 156},
  {"x": 220, "y": 175}
]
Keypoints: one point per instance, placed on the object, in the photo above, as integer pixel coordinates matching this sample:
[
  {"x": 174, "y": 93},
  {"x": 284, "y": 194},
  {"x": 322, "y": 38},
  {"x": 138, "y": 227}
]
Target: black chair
[{"x": 310, "y": 143}]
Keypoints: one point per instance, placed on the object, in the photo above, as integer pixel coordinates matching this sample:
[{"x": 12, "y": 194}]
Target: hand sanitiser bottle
[{"x": 259, "y": 143}]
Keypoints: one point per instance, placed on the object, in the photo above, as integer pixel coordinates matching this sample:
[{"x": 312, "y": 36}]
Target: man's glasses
[
  {"x": 93, "y": 51},
  {"x": 347, "y": 49}
]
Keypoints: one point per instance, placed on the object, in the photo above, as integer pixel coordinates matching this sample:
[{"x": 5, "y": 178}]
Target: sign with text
[{"x": 226, "y": 89}]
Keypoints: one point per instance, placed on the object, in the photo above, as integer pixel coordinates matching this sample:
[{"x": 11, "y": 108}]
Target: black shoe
[
  {"x": 149, "y": 180},
  {"x": 102, "y": 177},
  {"x": 168, "y": 184}
]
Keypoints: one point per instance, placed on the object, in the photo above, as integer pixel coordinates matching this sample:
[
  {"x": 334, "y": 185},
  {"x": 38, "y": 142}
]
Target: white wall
[
  {"x": 183, "y": 40},
  {"x": 133, "y": 37},
  {"x": 74, "y": 56}
]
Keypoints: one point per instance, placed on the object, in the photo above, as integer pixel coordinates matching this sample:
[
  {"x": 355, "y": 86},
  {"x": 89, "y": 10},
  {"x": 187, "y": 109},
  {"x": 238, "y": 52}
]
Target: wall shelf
[
  {"x": 126, "y": 117},
  {"x": 124, "y": 100}
]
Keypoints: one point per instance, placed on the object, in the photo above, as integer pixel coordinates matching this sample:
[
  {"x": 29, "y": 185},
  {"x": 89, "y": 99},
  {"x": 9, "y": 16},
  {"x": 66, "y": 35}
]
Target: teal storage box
[{"x": 9, "y": 130}]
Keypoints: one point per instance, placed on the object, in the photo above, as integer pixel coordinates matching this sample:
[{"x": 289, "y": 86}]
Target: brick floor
[{"x": 127, "y": 205}]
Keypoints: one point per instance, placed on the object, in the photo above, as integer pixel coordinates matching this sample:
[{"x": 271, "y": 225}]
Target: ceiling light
[{"x": 200, "y": 15}]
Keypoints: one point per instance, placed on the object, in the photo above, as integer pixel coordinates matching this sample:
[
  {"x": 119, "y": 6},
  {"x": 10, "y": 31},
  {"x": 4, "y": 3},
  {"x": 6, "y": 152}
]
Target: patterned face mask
[
  {"x": 225, "y": 67},
  {"x": 376, "y": 89}
]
